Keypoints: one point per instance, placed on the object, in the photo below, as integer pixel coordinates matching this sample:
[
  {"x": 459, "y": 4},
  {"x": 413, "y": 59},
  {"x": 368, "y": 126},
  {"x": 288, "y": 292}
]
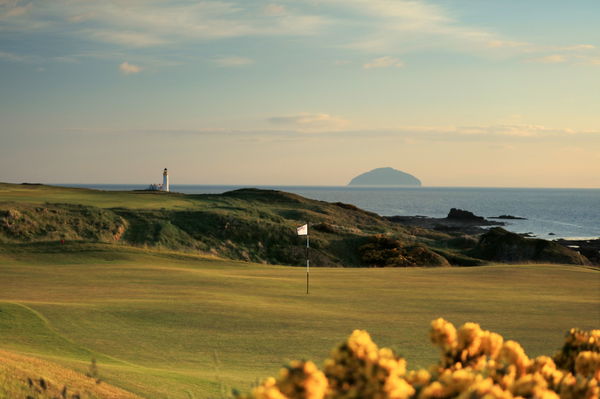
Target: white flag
[{"x": 303, "y": 230}]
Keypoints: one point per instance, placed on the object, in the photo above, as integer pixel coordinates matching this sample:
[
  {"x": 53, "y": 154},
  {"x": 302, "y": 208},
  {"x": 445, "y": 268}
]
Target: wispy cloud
[
  {"x": 506, "y": 44},
  {"x": 274, "y": 10},
  {"x": 582, "y": 54},
  {"x": 154, "y": 24},
  {"x": 378, "y": 26},
  {"x": 593, "y": 61},
  {"x": 550, "y": 59},
  {"x": 407, "y": 25},
  {"x": 582, "y": 47},
  {"x": 327, "y": 127},
  {"x": 167, "y": 22},
  {"x": 128, "y": 39},
  {"x": 129, "y": 69},
  {"x": 384, "y": 62},
  {"x": 13, "y": 8},
  {"x": 13, "y": 57},
  {"x": 233, "y": 61},
  {"x": 305, "y": 121}
]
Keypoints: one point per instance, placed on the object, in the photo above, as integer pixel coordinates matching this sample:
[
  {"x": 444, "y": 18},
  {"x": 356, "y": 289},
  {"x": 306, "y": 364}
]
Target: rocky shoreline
[
  {"x": 464, "y": 223},
  {"x": 458, "y": 221},
  {"x": 588, "y": 248}
]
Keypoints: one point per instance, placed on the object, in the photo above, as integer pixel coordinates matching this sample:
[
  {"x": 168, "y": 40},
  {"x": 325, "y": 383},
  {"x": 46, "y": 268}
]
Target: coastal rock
[
  {"x": 385, "y": 177},
  {"x": 460, "y": 214},
  {"x": 588, "y": 248},
  {"x": 503, "y": 246},
  {"x": 508, "y": 217},
  {"x": 458, "y": 221}
]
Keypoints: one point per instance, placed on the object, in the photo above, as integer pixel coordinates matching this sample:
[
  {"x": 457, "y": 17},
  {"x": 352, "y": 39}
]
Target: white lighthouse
[{"x": 165, "y": 185}]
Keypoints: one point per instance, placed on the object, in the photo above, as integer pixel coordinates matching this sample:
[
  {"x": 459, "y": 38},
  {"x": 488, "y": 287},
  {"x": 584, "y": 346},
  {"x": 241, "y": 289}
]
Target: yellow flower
[
  {"x": 587, "y": 364},
  {"x": 475, "y": 364},
  {"x": 443, "y": 334},
  {"x": 513, "y": 354},
  {"x": 359, "y": 369},
  {"x": 491, "y": 344},
  {"x": 268, "y": 390},
  {"x": 469, "y": 340}
]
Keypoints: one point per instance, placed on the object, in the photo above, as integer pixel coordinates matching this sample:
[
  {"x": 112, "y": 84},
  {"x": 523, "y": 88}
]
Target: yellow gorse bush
[{"x": 474, "y": 364}]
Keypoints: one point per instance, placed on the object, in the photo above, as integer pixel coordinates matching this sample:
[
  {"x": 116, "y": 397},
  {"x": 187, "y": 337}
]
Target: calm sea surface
[{"x": 564, "y": 212}]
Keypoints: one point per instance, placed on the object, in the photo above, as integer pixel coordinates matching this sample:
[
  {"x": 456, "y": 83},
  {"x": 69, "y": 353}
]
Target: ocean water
[{"x": 568, "y": 213}]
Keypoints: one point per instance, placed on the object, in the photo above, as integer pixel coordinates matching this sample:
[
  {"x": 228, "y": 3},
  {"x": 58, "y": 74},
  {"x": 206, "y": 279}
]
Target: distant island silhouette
[{"x": 385, "y": 177}]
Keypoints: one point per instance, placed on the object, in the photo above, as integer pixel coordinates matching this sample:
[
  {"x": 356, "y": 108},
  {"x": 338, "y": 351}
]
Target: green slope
[
  {"x": 165, "y": 324},
  {"x": 249, "y": 224}
]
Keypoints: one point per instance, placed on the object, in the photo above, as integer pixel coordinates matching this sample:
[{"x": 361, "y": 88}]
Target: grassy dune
[
  {"x": 168, "y": 325},
  {"x": 27, "y": 377}
]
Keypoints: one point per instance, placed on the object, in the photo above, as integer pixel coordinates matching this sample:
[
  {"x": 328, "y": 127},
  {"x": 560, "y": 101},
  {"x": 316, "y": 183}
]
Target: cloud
[
  {"x": 375, "y": 26},
  {"x": 505, "y": 44},
  {"x": 206, "y": 20},
  {"x": 128, "y": 69},
  {"x": 13, "y": 8},
  {"x": 408, "y": 25},
  {"x": 324, "y": 127},
  {"x": 579, "y": 54},
  {"x": 516, "y": 130},
  {"x": 128, "y": 39},
  {"x": 233, "y": 61},
  {"x": 152, "y": 23},
  {"x": 305, "y": 121},
  {"x": 579, "y": 47},
  {"x": 77, "y": 18},
  {"x": 550, "y": 59},
  {"x": 274, "y": 10},
  {"x": 383, "y": 62},
  {"x": 13, "y": 57}
]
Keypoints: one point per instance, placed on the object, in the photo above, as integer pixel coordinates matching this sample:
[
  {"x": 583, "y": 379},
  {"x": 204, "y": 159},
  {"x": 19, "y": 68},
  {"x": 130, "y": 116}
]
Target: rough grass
[
  {"x": 28, "y": 377},
  {"x": 249, "y": 224},
  {"x": 170, "y": 325}
]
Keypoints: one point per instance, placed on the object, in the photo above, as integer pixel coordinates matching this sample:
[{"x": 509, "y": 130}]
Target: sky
[{"x": 303, "y": 92}]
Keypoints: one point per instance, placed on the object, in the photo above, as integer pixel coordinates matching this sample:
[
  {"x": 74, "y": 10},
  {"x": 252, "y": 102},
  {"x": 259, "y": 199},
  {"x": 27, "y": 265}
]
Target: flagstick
[{"x": 307, "y": 262}]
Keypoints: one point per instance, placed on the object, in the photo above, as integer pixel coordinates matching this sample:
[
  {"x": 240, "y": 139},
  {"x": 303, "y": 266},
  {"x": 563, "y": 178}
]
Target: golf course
[
  {"x": 169, "y": 319},
  {"x": 166, "y": 325}
]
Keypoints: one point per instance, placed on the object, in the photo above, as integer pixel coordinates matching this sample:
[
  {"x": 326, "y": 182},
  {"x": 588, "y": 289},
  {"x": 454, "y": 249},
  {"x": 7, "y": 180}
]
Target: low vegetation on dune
[
  {"x": 25, "y": 377},
  {"x": 55, "y": 222},
  {"x": 475, "y": 363},
  {"x": 248, "y": 224}
]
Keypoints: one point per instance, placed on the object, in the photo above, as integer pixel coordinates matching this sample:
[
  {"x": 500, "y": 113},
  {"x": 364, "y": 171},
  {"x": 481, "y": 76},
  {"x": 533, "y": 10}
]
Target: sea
[{"x": 550, "y": 213}]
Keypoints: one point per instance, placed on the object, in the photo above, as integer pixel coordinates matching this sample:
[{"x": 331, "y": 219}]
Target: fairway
[{"x": 166, "y": 325}]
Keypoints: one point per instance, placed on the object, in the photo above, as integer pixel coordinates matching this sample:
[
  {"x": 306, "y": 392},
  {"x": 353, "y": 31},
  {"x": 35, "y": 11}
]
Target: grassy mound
[
  {"x": 55, "y": 222},
  {"x": 248, "y": 224},
  {"x": 27, "y": 377}
]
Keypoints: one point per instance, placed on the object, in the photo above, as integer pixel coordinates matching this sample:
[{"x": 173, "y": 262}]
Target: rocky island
[{"x": 385, "y": 177}]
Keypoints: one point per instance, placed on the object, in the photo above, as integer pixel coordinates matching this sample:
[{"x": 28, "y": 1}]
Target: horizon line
[{"x": 307, "y": 186}]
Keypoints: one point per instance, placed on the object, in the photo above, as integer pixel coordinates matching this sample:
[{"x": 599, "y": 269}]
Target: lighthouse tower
[{"x": 165, "y": 185}]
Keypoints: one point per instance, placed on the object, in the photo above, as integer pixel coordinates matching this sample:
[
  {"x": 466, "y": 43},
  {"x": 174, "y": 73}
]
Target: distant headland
[{"x": 385, "y": 177}]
